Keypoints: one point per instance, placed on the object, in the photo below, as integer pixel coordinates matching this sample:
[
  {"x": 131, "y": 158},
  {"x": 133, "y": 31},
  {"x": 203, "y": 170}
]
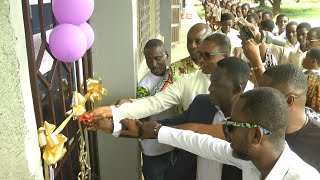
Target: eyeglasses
[
  {"x": 312, "y": 40},
  {"x": 207, "y": 56},
  {"x": 231, "y": 124}
]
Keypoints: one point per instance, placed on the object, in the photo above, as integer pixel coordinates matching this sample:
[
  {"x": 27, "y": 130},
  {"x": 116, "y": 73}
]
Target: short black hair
[
  {"x": 269, "y": 13},
  {"x": 226, "y": 17},
  {"x": 245, "y": 4},
  {"x": 291, "y": 23},
  {"x": 253, "y": 16},
  {"x": 281, "y": 16},
  {"x": 221, "y": 41},
  {"x": 268, "y": 24},
  {"x": 304, "y": 25},
  {"x": 288, "y": 74},
  {"x": 260, "y": 10},
  {"x": 237, "y": 70},
  {"x": 317, "y": 30},
  {"x": 254, "y": 9},
  {"x": 268, "y": 108},
  {"x": 154, "y": 43},
  {"x": 315, "y": 53}
]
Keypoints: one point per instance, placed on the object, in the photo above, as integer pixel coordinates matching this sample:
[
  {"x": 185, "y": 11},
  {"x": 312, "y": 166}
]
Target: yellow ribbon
[
  {"x": 52, "y": 141},
  {"x": 77, "y": 104},
  {"x": 95, "y": 90}
]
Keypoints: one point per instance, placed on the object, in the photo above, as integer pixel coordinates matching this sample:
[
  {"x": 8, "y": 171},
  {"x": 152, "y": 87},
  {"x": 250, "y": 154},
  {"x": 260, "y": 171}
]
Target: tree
[
  {"x": 262, "y": 3},
  {"x": 275, "y": 6}
]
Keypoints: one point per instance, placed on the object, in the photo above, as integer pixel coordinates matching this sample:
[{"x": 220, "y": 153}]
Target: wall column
[
  {"x": 114, "y": 60},
  {"x": 19, "y": 148}
]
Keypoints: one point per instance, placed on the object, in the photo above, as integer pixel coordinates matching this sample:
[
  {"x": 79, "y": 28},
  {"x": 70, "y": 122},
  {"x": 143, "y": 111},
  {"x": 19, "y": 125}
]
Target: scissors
[{"x": 86, "y": 118}]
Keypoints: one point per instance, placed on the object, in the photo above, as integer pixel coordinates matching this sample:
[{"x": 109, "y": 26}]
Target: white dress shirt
[
  {"x": 151, "y": 147},
  {"x": 289, "y": 166},
  {"x": 296, "y": 57},
  {"x": 233, "y": 36},
  {"x": 182, "y": 92},
  {"x": 207, "y": 168}
]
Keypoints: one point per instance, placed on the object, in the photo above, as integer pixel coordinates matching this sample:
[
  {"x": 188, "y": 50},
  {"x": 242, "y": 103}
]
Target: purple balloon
[
  {"x": 72, "y": 11},
  {"x": 88, "y": 31},
  {"x": 67, "y": 42}
]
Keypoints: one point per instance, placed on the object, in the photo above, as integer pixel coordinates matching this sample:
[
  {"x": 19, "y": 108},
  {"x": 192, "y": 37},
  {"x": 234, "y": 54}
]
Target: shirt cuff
[
  {"x": 163, "y": 134},
  {"x": 117, "y": 126}
]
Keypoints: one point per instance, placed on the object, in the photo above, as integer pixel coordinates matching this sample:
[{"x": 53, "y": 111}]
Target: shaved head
[{"x": 196, "y": 35}]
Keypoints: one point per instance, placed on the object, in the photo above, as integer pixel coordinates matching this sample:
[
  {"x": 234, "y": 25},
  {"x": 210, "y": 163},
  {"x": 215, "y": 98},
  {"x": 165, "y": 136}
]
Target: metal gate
[{"x": 52, "y": 84}]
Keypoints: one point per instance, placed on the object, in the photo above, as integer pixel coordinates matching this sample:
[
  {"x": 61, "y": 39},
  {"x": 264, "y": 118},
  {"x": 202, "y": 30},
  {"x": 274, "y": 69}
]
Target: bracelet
[
  {"x": 156, "y": 129},
  {"x": 256, "y": 68}
]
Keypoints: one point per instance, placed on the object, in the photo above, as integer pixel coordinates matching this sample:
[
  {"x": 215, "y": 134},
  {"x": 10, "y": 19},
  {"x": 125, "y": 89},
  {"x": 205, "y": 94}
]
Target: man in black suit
[{"x": 227, "y": 84}]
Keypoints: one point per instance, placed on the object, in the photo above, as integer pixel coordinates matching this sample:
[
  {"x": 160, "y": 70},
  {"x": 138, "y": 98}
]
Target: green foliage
[
  {"x": 200, "y": 11},
  {"x": 299, "y": 11}
]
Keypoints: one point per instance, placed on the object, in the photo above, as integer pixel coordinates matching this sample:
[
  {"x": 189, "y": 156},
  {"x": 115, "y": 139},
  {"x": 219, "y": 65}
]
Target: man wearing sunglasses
[
  {"x": 256, "y": 128},
  {"x": 303, "y": 131},
  {"x": 228, "y": 80}
]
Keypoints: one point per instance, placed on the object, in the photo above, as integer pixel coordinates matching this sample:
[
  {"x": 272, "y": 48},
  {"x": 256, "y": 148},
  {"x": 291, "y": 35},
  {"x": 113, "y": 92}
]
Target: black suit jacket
[{"x": 201, "y": 111}]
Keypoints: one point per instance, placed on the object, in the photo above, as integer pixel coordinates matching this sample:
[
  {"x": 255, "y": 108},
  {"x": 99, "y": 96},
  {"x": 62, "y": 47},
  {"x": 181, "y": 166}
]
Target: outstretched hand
[
  {"x": 101, "y": 123},
  {"x": 251, "y": 51},
  {"x": 133, "y": 128},
  {"x": 138, "y": 129},
  {"x": 121, "y": 101},
  {"x": 103, "y": 111}
]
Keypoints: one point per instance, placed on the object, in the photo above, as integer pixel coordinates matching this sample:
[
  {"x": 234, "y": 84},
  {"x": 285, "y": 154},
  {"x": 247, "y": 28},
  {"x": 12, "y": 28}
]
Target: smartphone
[{"x": 246, "y": 32}]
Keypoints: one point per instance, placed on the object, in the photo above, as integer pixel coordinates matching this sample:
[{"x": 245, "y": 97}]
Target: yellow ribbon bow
[
  {"x": 53, "y": 142},
  {"x": 77, "y": 104},
  {"x": 95, "y": 91}
]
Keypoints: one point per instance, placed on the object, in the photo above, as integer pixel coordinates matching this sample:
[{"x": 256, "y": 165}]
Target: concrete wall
[
  {"x": 114, "y": 60},
  {"x": 19, "y": 149},
  {"x": 165, "y": 23}
]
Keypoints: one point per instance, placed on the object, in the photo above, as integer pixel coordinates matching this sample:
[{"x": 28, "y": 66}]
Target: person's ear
[
  {"x": 226, "y": 55},
  {"x": 237, "y": 89},
  {"x": 167, "y": 54},
  {"x": 257, "y": 136},
  {"x": 290, "y": 99}
]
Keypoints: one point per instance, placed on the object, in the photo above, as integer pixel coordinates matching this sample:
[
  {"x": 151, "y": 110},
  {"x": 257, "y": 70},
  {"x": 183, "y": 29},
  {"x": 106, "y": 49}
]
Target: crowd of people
[{"x": 244, "y": 105}]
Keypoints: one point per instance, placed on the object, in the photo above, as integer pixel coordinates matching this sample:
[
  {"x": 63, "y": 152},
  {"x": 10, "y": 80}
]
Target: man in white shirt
[
  {"x": 227, "y": 84},
  {"x": 226, "y": 28},
  {"x": 257, "y": 126},
  {"x": 213, "y": 49},
  {"x": 281, "y": 53},
  {"x": 281, "y": 22},
  {"x": 296, "y": 57}
]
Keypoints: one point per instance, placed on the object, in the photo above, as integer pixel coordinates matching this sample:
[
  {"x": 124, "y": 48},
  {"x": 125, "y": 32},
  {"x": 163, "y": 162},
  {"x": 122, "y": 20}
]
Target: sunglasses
[
  {"x": 207, "y": 56},
  {"x": 231, "y": 124}
]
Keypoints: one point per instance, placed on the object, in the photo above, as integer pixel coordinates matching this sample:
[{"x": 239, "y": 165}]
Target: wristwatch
[{"x": 156, "y": 129}]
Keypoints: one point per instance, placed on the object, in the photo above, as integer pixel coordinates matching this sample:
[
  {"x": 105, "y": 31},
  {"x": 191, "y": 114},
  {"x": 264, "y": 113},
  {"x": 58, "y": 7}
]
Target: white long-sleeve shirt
[
  {"x": 182, "y": 92},
  {"x": 289, "y": 165}
]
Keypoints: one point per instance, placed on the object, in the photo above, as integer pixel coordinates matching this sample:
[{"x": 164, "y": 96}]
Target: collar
[
  {"x": 282, "y": 165},
  {"x": 297, "y": 46},
  {"x": 190, "y": 62}
]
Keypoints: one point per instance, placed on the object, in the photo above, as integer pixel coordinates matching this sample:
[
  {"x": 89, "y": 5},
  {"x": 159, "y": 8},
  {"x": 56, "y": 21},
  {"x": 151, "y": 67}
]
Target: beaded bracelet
[{"x": 256, "y": 68}]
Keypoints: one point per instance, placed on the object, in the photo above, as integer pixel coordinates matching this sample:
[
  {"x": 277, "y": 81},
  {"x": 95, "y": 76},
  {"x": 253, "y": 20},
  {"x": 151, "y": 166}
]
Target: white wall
[{"x": 19, "y": 147}]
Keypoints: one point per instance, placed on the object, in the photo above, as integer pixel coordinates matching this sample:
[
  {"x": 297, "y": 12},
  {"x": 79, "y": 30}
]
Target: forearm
[
  {"x": 213, "y": 130},
  {"x": 199, "y": 144}
]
